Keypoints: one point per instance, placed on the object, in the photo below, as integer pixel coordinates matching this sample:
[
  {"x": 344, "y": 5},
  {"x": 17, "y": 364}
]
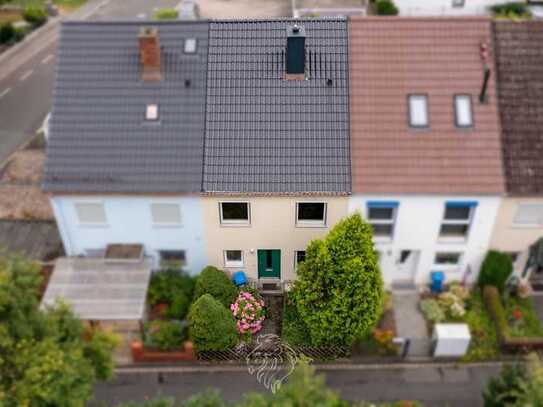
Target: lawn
[
  {"x": 523, "y": 321},
  {"x": 484, "y": 341}
]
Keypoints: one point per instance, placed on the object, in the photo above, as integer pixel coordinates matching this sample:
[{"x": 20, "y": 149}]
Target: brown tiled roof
[
  {"x": 391, "y": 58},
  {"x": 520, "y": 72}
]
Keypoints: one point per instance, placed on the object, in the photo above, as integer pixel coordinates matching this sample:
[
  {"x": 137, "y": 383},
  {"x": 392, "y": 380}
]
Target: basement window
[
  {"x": 233, "y": 258},
  {"x": 458, "y": 3},
  {"x": 151, "y": 112},
  {"x": 463, "y": 116},
  {"x": 190, "y": 46},
  {"x": 172, "y": 259},
  {"x": 299, "y": 257},
  {"x": 418, "y": 111},
  {"x": 447, "y": 258}
]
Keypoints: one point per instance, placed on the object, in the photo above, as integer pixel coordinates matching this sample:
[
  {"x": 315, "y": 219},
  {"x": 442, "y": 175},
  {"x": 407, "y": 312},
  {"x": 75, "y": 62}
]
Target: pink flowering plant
[{"x": 249, "y": 313}]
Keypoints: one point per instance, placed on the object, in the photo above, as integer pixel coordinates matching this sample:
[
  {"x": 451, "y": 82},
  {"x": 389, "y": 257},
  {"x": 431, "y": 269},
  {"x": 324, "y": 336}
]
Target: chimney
[
  {"x": 149, "y": 54},
  {"x": 295, "y": 67}
]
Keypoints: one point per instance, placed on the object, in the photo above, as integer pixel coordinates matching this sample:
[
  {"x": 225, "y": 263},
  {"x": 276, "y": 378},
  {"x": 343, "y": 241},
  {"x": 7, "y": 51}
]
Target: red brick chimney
[{"x": 149, "y": 54}]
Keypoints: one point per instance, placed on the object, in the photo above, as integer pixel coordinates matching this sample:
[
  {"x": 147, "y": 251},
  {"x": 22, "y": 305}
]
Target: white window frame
[
  {"x": 90, "y": 224},
  {"x": 190, "y": 46},
  {"x": 391, "y": 221},
  {"x": 412, "y": 98},
  {"x": 521, "y": 205},
  {"x": 235, "y": 222},
  {"x": 151, "y": 112},
  {"x": 236, "y": 264},
  {"x": 448, "y": 265},
  {"x": 311, "y": 223},
  {"x": 467, "y": 222},
  {"x": 166, "y": 224},
  {"x": 456, "y": 100}
]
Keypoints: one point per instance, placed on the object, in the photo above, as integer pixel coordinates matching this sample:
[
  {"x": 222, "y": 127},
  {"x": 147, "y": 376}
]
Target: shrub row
[
  {"x": 494, "y": 306},
  {"x": 35, "y": 15},
  {"x": 495, "y": 270},
  {"x": 9, "y": 34}
]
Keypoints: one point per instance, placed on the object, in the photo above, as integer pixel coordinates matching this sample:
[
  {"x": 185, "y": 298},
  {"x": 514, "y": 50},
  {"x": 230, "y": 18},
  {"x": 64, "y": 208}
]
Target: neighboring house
[
  {"x": 445, "y": 7},
  {"x": 124, "y": 158},
  {"x": 520, "y": 78},
  {"x": 426, "y": 153},
  {"x": 276, "y": 162}
]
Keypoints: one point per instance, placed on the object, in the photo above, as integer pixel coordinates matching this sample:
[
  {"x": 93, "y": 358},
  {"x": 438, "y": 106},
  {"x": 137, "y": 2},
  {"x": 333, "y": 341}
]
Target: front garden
[{"x": 500, "y": 316}]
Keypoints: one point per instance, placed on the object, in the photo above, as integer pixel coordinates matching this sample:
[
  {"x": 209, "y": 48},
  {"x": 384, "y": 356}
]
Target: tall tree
[
  {"x": 44, "y": 358},
  {"x": 339, "y": 291}
]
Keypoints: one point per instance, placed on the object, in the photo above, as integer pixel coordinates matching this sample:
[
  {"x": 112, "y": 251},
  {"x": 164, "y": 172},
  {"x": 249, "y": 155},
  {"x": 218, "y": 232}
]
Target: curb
[{"x": 138, "y": 369}]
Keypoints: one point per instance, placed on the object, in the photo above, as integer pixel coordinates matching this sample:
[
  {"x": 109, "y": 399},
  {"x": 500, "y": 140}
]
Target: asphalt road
[
  {"x": 25, "y": 93},
  {"x": 434, "y": 386}
]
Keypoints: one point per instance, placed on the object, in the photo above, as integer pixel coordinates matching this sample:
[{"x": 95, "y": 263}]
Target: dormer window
[
  {"x": 151, "y": 112},
  {"x": 418, "y": 111},
  {"x": 463, "y": 117},
  {"x": 190, "y": 45}
]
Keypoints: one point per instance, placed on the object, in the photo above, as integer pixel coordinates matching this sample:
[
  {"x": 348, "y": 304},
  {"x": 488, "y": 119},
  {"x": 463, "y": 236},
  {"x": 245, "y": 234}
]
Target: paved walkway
[{"x": 410, "y": 323}]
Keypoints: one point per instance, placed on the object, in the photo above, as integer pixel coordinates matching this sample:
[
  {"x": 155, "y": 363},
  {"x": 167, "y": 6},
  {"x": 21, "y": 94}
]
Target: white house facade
[
  {"x": 417, "y": 234},
  {"x": 445, "y": 7},
  {"x": 169, "y": 228}
]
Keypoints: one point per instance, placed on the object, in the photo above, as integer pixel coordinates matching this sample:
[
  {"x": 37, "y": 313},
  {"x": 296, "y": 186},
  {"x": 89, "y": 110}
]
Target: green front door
[{"x": 269, "y": 263}]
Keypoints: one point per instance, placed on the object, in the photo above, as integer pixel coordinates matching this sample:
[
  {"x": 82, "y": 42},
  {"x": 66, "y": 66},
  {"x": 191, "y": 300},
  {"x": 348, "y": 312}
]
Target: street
[
  {"x": 433, "y": 386},
  {"x": 27, "y": 77}
]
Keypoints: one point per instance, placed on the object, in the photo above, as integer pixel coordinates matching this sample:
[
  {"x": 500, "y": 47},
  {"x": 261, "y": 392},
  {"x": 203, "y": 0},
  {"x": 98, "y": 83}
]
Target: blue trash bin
[
  {"x": 239, "y": 278},
  {"x": 437, "y": 278}
]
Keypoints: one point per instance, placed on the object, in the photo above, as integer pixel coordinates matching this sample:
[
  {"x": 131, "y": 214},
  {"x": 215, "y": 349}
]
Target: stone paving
[{"x": 410, "y": 323}]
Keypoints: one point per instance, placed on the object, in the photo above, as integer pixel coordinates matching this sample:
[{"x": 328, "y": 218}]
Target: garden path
[
  {"x": 274, "y": 314},
  {"x": 410, "y": 323}
]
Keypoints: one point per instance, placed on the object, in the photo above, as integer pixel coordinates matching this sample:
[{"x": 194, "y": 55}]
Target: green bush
[
  {"x": 7, "y": 33},
  {"x": 503, "y": 390},
  {"x": 166, "y": 14},
  {"x": 165, "y": 335},
  {"x": 495, "y": 270},
  {"x": 432, "y": 310},
  {"x": 211, "y": 325},
  {"x": 172, "y": 287},
  {"x": 294, "y": 330},
  {"x": 35, "y": 15},
  {"x": 216, "y": 283},
  {"x": 385, "y": 8},
  {"x": 513, "y": 9},
  {"x": 339, "y": 291}
]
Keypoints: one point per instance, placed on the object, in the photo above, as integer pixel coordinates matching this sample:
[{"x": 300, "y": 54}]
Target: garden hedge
[
  {"x": 211, "y": 326},
  {"x": 495, "y": 270},
  {"x": 216, "y": 283}
]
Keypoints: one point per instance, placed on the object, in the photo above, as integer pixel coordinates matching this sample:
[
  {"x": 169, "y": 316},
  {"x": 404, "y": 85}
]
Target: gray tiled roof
[
  {"x": 98, "y": 139},
  {"x": 520, "y": 81},
  {"x": 265, "y": 134}
]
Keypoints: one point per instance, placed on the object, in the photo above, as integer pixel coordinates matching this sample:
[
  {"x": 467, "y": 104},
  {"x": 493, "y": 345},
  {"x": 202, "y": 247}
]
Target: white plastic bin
[{"x": 451, "y": 340}]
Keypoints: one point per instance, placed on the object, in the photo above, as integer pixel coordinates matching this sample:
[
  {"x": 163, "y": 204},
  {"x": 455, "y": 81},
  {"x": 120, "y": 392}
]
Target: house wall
[
  {"x": 273, "y": 226},
  {"x": 129, "y": 221},
  {"x": 417, "y": 225},
  {"x": 444, "y": 7},
  {"x": 509, "y": 237}
]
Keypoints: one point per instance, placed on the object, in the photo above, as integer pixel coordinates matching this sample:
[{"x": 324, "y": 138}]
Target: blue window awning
[
  {"x": 383, "y": 204},
  {"x": 461, "y": 204}
]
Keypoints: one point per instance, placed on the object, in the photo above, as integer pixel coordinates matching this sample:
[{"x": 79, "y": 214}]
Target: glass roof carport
[{"x": 98, "y": 289}]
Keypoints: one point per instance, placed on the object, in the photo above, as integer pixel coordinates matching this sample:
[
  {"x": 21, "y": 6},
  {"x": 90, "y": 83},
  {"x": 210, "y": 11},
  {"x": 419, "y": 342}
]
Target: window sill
[
  {"x": 237, "y": 266},
  {"x": 167, "y": 226},
  {"x": 310, "y": 225},
  {"x": 235, "y": 225},
  {"x": 527, "y": 226},
  {"x": 382, "y": 239},
  {"x": 94, "y": 225},
  {"x": 452, "y": 240}
]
